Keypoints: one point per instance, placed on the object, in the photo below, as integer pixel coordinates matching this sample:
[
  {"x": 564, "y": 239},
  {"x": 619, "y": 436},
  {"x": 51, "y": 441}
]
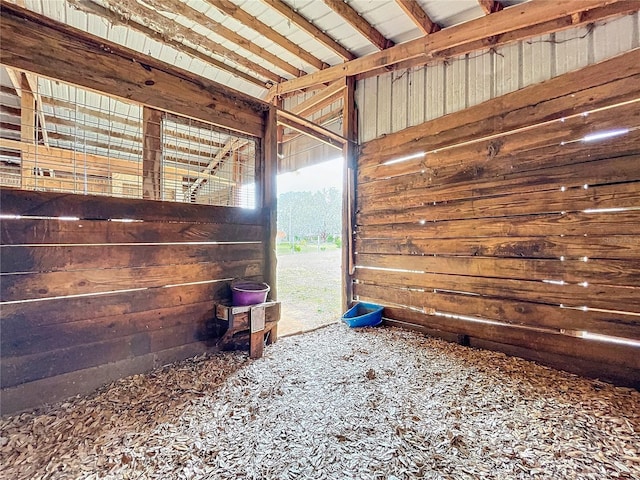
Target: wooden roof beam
[
  {"x": 418, "y": 16},
  {"x": 213, "y": 164},
  {"x": 29, "y": 81},
  {"x": 298, "y": 20},
  {"x": 51, "y": 49},
  {"x": 359, "y": 23},
  {"x": 555, "y": 25},
  {"x": 467, "y": 37},
  {"x": 216, "y": 48},
  {"x": 309, "y": 128},
  {"x": 324, "y": 97},
  {"x": 158, "y": 20},
  {"x": 490, "y": 6},
  {"x": 66, "y": 105},
  {"x": 180, "y": 8},
  {"x": 323, "y": 121},
  {"x": 16, "y": 80},
  {"x": 310, "y": 132},
  {"x": 62, "y": 160},
  {"x": 233, "y": 11}
]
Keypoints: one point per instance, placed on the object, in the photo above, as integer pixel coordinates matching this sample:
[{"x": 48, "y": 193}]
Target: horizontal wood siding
[
  {"x": 511, "y": 227},
  {"x": 89, "y": 290}
]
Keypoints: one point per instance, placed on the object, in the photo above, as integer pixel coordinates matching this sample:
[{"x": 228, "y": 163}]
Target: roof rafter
[
  {"x": 52, "y": 49},
  {"x": 554, "y": 25},
  {"x": 117, "y": 18},
  {"x": 464, "y": 38},
  {"x": 176, "y": 7},
  {"x": 416, "y": 13},
  {"x": 323, "y": 98},
  {"x": 232, "y": 10},
  {"x": 304, "y": 24},
  {"x": 28, "y": 81},
  {"x": 213, "y": 164},
  {"x": 323, "y": 121},
  {"x": 311, "y": 130},
  {"x": 490, "y": 6},
  {"x": 359, "y": 23}
]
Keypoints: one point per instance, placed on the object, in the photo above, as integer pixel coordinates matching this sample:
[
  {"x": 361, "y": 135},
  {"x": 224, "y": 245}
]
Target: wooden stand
[{"x": 259, "y": 322}]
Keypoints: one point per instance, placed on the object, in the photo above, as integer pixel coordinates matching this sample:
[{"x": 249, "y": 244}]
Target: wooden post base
[{"x": 255, "y": 325}]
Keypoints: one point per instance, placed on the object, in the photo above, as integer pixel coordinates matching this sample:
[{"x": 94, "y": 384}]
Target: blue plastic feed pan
[{"x": 363, "y": 315}]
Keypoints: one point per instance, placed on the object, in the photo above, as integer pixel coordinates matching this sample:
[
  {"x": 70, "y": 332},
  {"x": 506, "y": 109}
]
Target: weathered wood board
[
  {"x": 513, "y": 224},
  {"x": 90, "y": 289}
]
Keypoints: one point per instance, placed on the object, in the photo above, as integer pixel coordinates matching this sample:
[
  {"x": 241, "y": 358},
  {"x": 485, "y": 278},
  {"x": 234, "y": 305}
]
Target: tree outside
[
  {"x": 309, "y": 220},
  {"x": 309, "y": 241}
]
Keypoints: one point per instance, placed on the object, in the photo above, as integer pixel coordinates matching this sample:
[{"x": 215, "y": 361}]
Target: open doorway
[{"x": 309, "y": 244}]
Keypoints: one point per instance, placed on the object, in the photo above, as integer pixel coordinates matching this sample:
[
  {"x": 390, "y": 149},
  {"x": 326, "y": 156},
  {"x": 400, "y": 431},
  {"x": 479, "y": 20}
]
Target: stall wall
[
  {"x": 88, "y": 298},
  {"x": 514, "y": 224},
  {"x": 94, "y": 288},
  {"x": 403, "y": 98}
]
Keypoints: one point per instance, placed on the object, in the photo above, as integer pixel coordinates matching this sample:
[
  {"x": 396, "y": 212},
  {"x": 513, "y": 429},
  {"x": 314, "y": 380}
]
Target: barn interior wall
[
  {"x": 94, "y": 288},
  {"x": 513, "y": 224},
  {"x": 403, "y": 98}
]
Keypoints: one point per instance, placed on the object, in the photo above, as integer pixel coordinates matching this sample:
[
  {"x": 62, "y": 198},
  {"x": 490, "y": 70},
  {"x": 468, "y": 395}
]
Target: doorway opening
[{"x": 309, "y": 246}]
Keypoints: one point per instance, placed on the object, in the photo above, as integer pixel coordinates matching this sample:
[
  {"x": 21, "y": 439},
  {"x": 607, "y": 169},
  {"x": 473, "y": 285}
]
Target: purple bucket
[{"x": 247, "y": 292}]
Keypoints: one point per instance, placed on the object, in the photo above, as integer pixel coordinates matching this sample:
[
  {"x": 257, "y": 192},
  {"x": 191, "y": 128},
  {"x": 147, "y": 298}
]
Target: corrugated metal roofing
[
  {"x": 395, "y": 100},
  {"x": 191, "y": 21}
]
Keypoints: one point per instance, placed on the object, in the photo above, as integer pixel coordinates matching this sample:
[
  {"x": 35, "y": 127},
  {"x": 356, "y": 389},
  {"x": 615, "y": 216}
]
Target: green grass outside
[{"x": 284, "y": 248}]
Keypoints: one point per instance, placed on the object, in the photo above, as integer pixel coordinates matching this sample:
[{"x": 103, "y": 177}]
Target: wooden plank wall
[
  {"x": 510, "y": 229},
  {"x": 88, "y": 298}
]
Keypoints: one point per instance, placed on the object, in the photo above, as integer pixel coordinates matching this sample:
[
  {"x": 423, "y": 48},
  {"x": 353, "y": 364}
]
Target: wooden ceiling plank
[
  {"x": 318, "y": 101},
  {"x": 59, "y": 103},
  {"x": 233, "y": 11},
  {"x": 116, "y": 15},
  {"x": 111, "y": 117},
  {"x": 359, "y": 23},
  {"x": 430, "y": 47},
  {"x": 304, "y": 24},
  {"x": 418, "y": 16},
  {"x": 177, "y": 7},
  {"x": 490, "y": 6}
]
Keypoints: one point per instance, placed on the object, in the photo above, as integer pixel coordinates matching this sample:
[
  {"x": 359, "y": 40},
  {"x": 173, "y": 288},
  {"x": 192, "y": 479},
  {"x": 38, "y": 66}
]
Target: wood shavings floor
[{"x": 336, "y": 404}]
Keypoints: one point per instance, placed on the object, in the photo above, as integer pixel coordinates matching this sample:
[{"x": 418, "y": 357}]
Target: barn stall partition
[
  {"x": 96, "y": 287},
  {"x": 513, "y": 224}
]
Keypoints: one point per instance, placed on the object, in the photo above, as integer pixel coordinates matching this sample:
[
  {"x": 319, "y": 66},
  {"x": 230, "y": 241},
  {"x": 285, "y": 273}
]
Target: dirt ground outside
[{"x": 309, "y": 287}]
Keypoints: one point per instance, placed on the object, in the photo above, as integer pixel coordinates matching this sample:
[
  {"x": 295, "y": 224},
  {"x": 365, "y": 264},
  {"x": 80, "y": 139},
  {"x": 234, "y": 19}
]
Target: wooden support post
[
  {"x": 27, "y": 133},
  {"x": 349, "y": 151},
  {"x": 270, "y": 197},
  {"x": 236, "y": 186},
  {"x": 152, "y": 154}
]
